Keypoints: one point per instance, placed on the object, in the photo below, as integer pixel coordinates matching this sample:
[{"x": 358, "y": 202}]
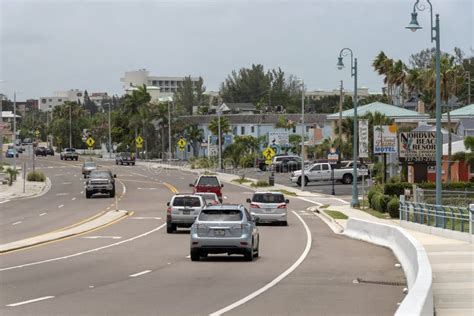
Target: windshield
[
  {"x": 70, "y": 149},
  {"x": 188, "y": 201},
  {"x": 210, "y": 181},
  {"x": 100, "y": 174},
  {"x": 89, "y": 164},
  {"x": 268, "y": 198},
  {"x": 220, "y": 215}
]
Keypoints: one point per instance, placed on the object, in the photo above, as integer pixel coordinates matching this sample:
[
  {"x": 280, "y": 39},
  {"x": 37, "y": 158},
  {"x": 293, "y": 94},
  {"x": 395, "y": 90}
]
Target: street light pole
[
  {"x": 169, "y": 132},
  {"x": 303, "y": 178},
  {"x": 219, "y": 137},
  {"x": 70, "y": 125},
  {"x": 14, "y": 131},
  {"x": 340, "y": 65},
  {"x": 467, "y": 74},
  {"x": 110, "y": 136},
  {"x": 435, "y": 36}
]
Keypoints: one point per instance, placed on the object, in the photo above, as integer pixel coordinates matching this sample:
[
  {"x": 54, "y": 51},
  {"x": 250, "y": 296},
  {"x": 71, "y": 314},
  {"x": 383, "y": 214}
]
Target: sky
[{"x": 48, "y": 46}]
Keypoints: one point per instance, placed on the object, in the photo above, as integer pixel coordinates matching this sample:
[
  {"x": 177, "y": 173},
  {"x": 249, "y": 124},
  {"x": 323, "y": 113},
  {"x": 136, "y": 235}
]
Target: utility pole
[
  {"x": 110, "y": 136},
  {"x": 169, "y": 132},
  {"x": 1, "y": 130},
  {"x": 302, "y": 136},
  {"x": 468, "y": 75},
  {"x": 341, "y": 100},
  {"x": 219, "y": 137},
  {"x": 70, "y": 125},
  {"x": 14, "y": 130}
]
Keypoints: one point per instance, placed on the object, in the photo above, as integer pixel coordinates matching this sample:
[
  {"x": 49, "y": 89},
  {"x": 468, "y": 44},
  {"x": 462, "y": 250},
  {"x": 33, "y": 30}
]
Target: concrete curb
[
  {"x": 332, "y": 223},
  {"x": 412, "y": 256},
  {"x": 43, "y": 191},
  {"x": 96, "y": 223}
]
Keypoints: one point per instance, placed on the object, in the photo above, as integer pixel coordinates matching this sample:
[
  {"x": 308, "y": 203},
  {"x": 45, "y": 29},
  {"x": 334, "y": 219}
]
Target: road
[{"x": 134, "y": 268}]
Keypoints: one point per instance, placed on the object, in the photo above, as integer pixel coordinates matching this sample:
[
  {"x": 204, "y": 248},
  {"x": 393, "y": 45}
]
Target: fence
[
  {"x": 449, "y": 197},
  {"x": 448, "y": 217}
]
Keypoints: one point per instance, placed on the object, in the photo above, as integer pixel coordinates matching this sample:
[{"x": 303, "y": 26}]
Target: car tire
[
  {"x": 305, "y": 181},
  {"x": 248, "y": 255},
  {"x": 121, "y": 163},
  {"x": 170, "y": 228},
  {"x": 284, "y": 223},
  {"x": 257, "y": 251},
  {"x": 112, "y": 193},
  {"x": 133, "y": 164},
  {"x": 116, "y": 162},
  {"x": 347, "y": 178},
  {"x": 195, "y": 255},
  {"x": 88, "y": 195}
]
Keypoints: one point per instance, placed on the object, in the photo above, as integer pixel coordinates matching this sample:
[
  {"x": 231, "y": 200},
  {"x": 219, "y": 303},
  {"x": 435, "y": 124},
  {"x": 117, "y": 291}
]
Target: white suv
[{"x": 183, "y": 210}]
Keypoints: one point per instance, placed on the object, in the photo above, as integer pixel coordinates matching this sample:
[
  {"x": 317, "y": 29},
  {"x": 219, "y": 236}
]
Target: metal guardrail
[{"x": 447, "y": 217}]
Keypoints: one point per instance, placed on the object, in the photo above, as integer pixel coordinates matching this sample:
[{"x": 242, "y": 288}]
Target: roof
[
  {"x": 467, "y": 123},
  {"x": 432, "y": 128},
  {"x": 261, "y": 119},
  {"x": 464, "y": 112},
  {"x": 456, "y": 147},
  {"x": 8, "y": 114},
  {"x": 240, "y": 106},
  {"x": 388, "y": 110}
]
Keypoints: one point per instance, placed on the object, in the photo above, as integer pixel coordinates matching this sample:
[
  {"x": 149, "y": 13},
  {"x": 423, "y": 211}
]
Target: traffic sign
[
  {"x": 139, "y": 145},
  {"x": 333, "y": 156},
  {"x": 182, "y": 143},
  {"x": 139, "y": 141},
  {"x": 90, "y": 141},
  {"x": 268, "y": 153},
  {"x": 37, "y": 133}
]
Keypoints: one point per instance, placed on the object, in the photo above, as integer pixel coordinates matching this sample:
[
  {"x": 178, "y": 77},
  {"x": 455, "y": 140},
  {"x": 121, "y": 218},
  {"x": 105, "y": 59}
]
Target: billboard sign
[
  {"x": 385, "y": 139},
  {"x": 363, "y": 138},
  {"x": 279, "y": 138},
  {"x": 415, "y": 147}
]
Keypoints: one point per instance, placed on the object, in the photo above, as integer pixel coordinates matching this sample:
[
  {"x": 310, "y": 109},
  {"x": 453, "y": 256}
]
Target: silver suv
[
  {"x": 183, "y": 210},
  {"x": 226, "y": 228},
  {"x": 269, "y": 207}
]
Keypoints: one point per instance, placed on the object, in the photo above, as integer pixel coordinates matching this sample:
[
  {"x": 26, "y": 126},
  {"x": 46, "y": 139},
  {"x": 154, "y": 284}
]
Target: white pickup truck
[{"x": 323, "y": 172}]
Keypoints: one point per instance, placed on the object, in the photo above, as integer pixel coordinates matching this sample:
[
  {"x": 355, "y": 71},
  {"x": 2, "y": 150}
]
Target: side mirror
[
  {"x": 287, "y": 201},
  {"x": 115, "y": 176},
  {"x": 191, "y": 185},
  {"x": 249, "y": 201},
  {"x": 222, "y": 185},
  {"x": 167, "y": 203}
]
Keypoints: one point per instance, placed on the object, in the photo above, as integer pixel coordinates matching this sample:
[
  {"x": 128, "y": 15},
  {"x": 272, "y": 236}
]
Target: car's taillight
[
  {"x": 238, "y": 226},
  {"x": 253, "y": 205},
  {"x": 168, "y": 211},
  {"x": 282, "y": 206}
]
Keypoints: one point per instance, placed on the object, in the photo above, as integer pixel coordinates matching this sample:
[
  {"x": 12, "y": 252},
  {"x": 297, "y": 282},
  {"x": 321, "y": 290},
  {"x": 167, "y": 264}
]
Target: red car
[{"x": 208, "y": 183}]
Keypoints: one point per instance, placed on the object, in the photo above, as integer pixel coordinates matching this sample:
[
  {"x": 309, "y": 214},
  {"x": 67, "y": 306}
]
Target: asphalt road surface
[{"x": 134, "y": 268}]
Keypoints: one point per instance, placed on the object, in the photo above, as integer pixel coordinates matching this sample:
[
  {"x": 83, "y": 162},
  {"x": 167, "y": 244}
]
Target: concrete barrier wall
[{"x": 411, "y": 255}]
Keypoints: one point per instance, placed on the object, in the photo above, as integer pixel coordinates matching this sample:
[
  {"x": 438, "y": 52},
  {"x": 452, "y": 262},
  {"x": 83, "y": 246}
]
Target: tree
[
  {"x": 195, "y": 136},
  {"x": 135, "y": 108},
  {"x": 89, "y": 105},
  {"x": 285, "y": 123},
  {"x": 214, "y": 125},
  {"x": 60, "y": 127},
  {"x": 190, "y": 94}
]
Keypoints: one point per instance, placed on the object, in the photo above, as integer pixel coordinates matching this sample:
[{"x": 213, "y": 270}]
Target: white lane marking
[
  {"x": 139, "y": 273},
  {"x": 144, "y": 217},
  {"x": 91, "y": 286},
  {"x": 74, "y": 198},
  {"x": 340, "y": 200},
  {"x": 4, "y": 201},
  {"x": 61, "y": 194},
  {"x": 67, "y": 182},
  {"x": 310, "y": 201},
  {"x": 43, "y": 214},
  {"x": 16, "y": 223},
  {"x": 187, "y": 257},
  {"x": 83, "y": 252},
  {"x": 277, "y": 279},
  {"x": 30, "y": 301},
  {"x": 62, "y": 205},
  {"x": 147, "y": 188},
  {"x": 225, "y": 197},
  {"x": 82, "y": 192},
  {"x": 103, "y": 237}
]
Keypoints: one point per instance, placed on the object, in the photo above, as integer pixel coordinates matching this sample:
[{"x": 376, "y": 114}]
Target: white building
[
  {"x": 162, "y": 86},
  {"x": 73, "y": 95},
  {"x": 318, "y": 94}
]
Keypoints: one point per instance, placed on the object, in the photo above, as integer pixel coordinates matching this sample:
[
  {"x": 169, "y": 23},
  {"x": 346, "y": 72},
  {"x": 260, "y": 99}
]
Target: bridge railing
[{"x": 447, "y": 217}]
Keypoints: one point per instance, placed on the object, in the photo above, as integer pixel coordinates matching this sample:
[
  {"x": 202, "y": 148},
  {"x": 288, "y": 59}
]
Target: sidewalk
[
  {"x": 452, "y": 261},
  {"x": 32, "y": 189}
]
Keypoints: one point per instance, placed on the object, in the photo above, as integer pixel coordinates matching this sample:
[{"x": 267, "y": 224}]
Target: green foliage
[
  {"x": 12, "y": 175},
  {"x": 396, "y": 189},
  {"x": 286, "y": 192},
  {"x": 205, "y": 163},
  {"x": 336, "y": 214},
  {"x": 374, "y": 189},
  {"x": 393, "y": 207},
  {"x": 190, "y": 94},
  {"x": 260, "y": 183},
  {"x": 36, "y": 176},
  {"x": 241, "y": 180},
  {"x": 214, "y": 125}
]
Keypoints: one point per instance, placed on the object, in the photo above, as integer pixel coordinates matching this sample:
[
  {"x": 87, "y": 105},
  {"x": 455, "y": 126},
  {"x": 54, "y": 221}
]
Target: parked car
[
  {"x": 208, "y": 183},
  {"x": 286, "y": 163},
  {"x": 40, "y": 151},
  {"x": 323, "y": 172},
  {"x": 50, "y": 151},
  {"x": 226, "y": 228},
  {"x": 100, "y": 181},
  {"x": 69, "y": 153},
  {"x": 269, "y": 207},
  {"x": 11, "y": 153},
  {"x": 209, "y": 197},
  {"x": 183, "y": 210},
  {"x": 125, "y": 158},
  {"x": 87, "y": 167}
]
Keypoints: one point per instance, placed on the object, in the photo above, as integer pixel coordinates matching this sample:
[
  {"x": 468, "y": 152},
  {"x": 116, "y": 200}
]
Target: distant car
[
  {"x": 87, "y": 167},
  {"x": 226, "y": 228},
  {"x": 11, "y": 153},
  {"x": 69, "y": 153},
  {"x": 286, "y": 163},
  {"x": 40, "y": 151},
  {"x": 125, "y": 158},
  {"x": 100, "y": 181},
  {"x": 209, "y": 197},
  {"x": 183, "y": 210},
  {"x": 50, "y": 151},
  {"x": 269, "y": 207},
  {"x": 208, "y": 183}
]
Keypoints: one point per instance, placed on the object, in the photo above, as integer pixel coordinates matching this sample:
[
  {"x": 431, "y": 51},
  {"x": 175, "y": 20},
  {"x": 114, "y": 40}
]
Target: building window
[
  {"x": 252, "y": 129},
  {"x": 307, "y": 128},
  {"x": 294, "y": 129},
  {"x": 153, "y": 83},
  {"x": 43, "y": 100},
  {"x": 79, "y": 94},
  {"x": 60, "y": 100},
  {"x": 50, "y": 100}
]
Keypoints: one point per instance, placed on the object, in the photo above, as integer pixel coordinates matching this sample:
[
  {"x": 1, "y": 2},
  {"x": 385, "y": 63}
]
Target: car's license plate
[
  {"x": 186, "y": 212},
  {"x": 268, "y": 210},
  {"x": 219, "y": 232}
]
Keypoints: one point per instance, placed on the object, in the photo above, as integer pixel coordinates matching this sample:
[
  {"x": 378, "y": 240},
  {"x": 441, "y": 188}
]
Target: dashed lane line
[
  {"x": 61, "y": 206},
  {"x": 139, "y": 273},
  {"x": 43, "y": 214},
  {"x": 16, "y": 223},
  {"x": 30, "y": 301}
]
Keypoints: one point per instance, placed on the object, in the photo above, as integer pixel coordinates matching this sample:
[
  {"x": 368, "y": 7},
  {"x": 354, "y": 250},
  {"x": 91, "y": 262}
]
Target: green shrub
[
  {"x": 12, "y": 175},
  {"x": 260, "y": 183},
  {"x": 396, "y": 189},
  {"x": 372, "y": 191},
  {"x": 379, "y": 202},
  {"x": 36, "y": 176},
  {"x": 383, "y": 203},
  {"x": 375, "y": 200},
  {"x": 393, "y": 207}
]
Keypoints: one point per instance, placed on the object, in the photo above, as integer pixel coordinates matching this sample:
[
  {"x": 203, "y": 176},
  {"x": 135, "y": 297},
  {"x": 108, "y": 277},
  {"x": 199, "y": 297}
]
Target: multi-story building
[
  {"x": 160, "y": 86},
  {"x": 73, "y": 95},
  {"x": 318, "y": 94}
]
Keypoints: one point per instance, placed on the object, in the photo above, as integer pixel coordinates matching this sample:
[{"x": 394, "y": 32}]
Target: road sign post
[{"x": 333, "y": 158}]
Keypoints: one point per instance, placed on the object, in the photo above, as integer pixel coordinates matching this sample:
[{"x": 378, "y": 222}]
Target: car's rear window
[
  {"x": 219, "y": 215},
  {"x": 89, "y": 164},
  {"x": 188, "y": 201},
  {"x": 268, "y": 198},
  {"x": 211, "y": 181}
]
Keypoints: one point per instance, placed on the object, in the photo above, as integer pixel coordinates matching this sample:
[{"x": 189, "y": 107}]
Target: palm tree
[
  {"x": 135, "y": 107},
  {"x": 195, "y": 136},
  {"x": 214, "y": 125}
]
